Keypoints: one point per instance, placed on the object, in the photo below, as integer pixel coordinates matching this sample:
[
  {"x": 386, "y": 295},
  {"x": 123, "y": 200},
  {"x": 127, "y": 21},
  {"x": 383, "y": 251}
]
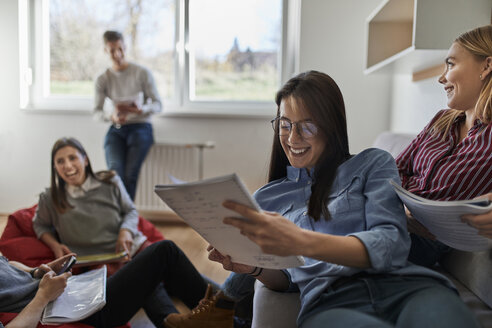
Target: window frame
[{"x": 34, "y": 49}]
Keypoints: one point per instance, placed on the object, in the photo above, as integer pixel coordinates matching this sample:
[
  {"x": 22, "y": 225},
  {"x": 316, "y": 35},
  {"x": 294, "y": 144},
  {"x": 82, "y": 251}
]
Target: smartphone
[{"x": 67, "y": 265}]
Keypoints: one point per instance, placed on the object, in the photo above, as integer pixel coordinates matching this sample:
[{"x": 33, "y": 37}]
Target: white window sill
[{"x": 184, "y": 112}]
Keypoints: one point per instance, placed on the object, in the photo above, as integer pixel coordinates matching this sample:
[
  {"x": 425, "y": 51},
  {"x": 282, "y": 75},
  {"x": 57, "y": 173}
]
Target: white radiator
[{"x": 183, "y": 161}]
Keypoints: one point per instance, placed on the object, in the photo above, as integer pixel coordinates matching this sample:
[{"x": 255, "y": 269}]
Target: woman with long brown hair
[{"x": 340, "y": 212}]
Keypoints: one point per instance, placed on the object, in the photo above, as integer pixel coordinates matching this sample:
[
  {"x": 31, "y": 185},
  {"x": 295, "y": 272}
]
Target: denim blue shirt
[{"x": 362, "y": 203}]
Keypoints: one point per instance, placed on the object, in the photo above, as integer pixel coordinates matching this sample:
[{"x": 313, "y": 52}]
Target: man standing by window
[{"x": 132, "y": 89}]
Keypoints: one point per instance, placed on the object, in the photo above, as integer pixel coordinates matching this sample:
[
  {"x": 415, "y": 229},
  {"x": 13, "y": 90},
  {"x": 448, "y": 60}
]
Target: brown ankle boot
[{"x": 206, "y": 314}]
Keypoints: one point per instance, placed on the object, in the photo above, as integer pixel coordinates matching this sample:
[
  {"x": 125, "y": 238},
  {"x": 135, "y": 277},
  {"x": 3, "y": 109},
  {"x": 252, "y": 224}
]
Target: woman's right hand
[
  {"x": 51, "y": 286},
  {"x": 60, "y": 250},
  {"x": 416, "y": 227},
  {"x": 227, "y": 264}
]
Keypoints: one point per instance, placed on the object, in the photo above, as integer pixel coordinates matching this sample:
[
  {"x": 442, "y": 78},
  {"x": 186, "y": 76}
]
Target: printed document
[
  {"x": 443, "y": 219},
  {"x": 200, "y": 205}
]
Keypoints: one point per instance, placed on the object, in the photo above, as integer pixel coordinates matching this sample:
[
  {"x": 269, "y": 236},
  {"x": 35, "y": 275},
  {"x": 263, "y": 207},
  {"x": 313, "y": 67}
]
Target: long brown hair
[
  {"x": 58, "y": 192},
  {"x": 479, "y": 43},
  {"x": 319, "y": 95}
]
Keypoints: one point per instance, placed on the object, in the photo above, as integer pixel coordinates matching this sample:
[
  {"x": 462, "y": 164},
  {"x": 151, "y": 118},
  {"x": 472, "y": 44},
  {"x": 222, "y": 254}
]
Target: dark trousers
[
  {"x": 135, "y": 284},
  {"x": 383, "y": 301},
  {"x": 426, "y": 252},
  {"x": 125, "y": 150}
]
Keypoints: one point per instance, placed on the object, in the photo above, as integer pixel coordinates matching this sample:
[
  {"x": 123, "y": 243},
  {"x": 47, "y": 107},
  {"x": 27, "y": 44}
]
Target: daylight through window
[{"x": 201, "y": 52}]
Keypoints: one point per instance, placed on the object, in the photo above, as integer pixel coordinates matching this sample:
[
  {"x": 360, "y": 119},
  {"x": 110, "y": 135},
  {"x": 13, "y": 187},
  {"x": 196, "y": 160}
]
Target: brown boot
[{"x": 212, "y": 312}]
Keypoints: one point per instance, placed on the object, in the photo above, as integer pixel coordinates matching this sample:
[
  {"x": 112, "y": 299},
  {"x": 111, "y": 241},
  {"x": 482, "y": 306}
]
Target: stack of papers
[{"x": 443, "y": 219}]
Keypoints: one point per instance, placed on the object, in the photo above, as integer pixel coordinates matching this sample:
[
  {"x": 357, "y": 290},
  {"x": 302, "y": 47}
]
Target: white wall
[
  {"x": 332, "y": 40},
  {"x": 414, "y": 104}
]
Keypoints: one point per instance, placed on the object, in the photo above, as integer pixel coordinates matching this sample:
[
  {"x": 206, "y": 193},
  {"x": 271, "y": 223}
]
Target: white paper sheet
[
  {"x": 443, "y": 219},
  {"x": 200, "y": 205}
]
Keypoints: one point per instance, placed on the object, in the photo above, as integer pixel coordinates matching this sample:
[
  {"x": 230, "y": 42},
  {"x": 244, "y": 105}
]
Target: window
[{"x": 207, "y": 56}]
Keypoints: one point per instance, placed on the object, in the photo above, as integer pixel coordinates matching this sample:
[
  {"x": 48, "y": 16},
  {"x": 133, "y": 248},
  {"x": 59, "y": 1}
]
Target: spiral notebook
[{"x": 200, "y": 205}]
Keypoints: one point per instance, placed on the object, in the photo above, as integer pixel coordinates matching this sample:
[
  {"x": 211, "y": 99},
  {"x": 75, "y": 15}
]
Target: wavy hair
[{"x": 479, "y": 43}]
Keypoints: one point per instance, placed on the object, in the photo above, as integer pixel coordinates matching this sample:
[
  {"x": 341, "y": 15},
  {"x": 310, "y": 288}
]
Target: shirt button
[
  {"x": 305, "y": 213},
  {"x": 309, "y": 182}
]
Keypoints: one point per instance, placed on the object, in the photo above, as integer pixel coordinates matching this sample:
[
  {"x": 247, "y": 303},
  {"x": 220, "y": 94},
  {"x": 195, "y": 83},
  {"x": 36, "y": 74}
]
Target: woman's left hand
[
  {"x": 124, "y": 242},
  {"x": 271, "y": 231},
  {"x": 227, "y": 264},
  {"x": 482, "y": 222}
]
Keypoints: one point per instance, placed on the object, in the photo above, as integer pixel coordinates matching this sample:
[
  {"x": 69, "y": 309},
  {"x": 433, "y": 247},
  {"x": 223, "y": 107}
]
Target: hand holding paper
[
  {"x": 482, "y": 222},
  {"x": 200, "y": 205},
  {"x": 271, "y": 231},
  {"x": 444, "y": 219}
]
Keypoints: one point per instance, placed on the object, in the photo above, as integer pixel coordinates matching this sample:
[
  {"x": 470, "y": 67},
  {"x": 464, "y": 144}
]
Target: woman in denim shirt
[{"x": 340, "y": 212}]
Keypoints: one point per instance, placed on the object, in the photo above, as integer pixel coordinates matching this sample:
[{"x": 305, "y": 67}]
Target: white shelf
[{"x": 405, "y": 36}]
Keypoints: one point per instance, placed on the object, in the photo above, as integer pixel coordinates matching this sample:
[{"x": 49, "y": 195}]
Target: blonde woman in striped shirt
[{"x": 451, "y": 159}]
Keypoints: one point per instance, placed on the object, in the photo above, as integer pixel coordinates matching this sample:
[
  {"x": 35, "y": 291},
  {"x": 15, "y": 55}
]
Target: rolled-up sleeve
[
  {"x": 45, "y": 216},
  {"x": 128, "y": 211},
  {"x": 386, "y": 238}
]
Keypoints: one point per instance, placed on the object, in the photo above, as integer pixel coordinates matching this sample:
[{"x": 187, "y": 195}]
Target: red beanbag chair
[
  {"x": 19, "y": 242},
  {"x": 5, "y": 318}
]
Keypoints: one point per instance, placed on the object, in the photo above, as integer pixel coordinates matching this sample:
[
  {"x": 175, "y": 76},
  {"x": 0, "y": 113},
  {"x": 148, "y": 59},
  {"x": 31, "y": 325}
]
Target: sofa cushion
[
  {"x": 393, "y": 143},
  {"x": 474, "y": 270},
  {"x": 274, "y": 309}
]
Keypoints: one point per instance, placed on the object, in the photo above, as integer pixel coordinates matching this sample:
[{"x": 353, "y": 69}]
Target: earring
[{"x": 480, "y": 76}]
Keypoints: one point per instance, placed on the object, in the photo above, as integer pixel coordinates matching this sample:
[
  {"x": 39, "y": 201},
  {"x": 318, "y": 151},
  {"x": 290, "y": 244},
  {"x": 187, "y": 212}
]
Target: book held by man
[
  {"x": 200, "y": 205},
  {"x": 84, "y": 295},
  {"x": 443, "y": 219}
]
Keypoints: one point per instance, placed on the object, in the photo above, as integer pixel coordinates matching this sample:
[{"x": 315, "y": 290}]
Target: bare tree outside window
[
  {"x": 76, "y": 48},
  {"x": 234, "y": 45}
]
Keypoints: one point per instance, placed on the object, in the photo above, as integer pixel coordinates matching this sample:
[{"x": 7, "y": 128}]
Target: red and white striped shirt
[{"x": 446, "y": 170}]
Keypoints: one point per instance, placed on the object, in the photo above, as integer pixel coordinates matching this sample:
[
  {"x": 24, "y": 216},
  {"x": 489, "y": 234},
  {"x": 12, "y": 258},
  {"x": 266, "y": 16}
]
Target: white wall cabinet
[{"x": 405, "y": 36}]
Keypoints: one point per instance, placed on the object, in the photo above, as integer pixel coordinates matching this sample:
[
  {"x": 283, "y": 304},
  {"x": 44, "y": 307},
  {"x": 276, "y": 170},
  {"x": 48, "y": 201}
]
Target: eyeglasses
[{"x": 283, "y": 127}]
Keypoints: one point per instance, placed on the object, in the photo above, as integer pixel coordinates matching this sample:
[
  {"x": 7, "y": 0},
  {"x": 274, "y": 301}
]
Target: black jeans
[{"x": 137, "y": 282}]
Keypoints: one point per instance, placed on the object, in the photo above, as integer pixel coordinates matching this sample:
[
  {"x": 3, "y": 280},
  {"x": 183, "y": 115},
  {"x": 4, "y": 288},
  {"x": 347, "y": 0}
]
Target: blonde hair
[{"x": 479, "y": 43}]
